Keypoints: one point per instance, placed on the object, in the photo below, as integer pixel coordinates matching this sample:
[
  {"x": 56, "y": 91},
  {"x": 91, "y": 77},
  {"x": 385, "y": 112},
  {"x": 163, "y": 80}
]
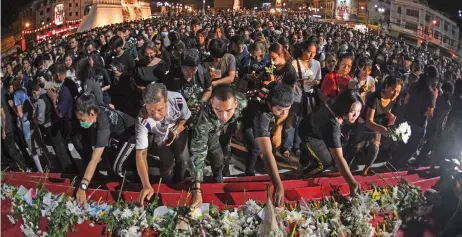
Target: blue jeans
[
  {"x": 26, "y": 130},
  {"x": 291, "y": 139}
]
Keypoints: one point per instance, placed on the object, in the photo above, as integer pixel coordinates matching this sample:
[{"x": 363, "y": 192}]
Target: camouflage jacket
[{"x": 209, "y": 126}]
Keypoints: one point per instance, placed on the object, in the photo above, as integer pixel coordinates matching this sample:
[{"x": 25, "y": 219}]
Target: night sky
[{"x": 10, "y": 9}]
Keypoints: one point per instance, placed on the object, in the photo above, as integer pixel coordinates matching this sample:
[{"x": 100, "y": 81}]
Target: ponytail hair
[{"x": 279, "y": 49}]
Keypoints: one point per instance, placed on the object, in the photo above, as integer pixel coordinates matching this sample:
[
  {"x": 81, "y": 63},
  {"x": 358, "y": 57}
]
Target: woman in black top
[
  {"x": 283, "y": 70},
  {"x": 379, "y": 116},
  {"x": 420, "y": 104},
  {"x": 320, "y": 135},
  {"x": 101, "y": 76}
]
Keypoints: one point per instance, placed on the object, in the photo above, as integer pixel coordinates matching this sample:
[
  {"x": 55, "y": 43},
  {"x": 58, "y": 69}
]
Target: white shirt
[
  {"x": 308, "y": 74},
  {"x": 177, "y": 110}
]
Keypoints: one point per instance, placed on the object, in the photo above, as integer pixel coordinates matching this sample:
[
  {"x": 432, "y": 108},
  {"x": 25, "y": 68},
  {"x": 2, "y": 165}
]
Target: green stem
[{"x": 121, "y": 188}]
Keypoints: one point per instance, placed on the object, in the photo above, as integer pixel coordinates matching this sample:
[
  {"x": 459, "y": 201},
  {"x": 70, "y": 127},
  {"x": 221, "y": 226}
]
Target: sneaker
[
  {"x": 226, "y": 172},
  {"x": 70, "y": 146}
]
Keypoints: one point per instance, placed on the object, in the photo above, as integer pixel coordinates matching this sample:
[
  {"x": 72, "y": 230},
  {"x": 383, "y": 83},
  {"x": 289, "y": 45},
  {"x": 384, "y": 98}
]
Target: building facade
[
  {"x": 423, "y": 24},
  {"x": 73, "y": 10}
]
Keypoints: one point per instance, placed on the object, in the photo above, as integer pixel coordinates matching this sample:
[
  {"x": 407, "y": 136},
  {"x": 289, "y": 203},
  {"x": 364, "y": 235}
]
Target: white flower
[
  {"x": 230, "y": 222},
  {"x": 126, "y": 214},
  {"x": 195, "y": 213},
  {"x": 252, "y": 208},
  {"x": 324, "y": 227},
  {"x": 293, "y": 216},
  {"x": 11, "y": 219},
  {"x": 131, "y": 232}
]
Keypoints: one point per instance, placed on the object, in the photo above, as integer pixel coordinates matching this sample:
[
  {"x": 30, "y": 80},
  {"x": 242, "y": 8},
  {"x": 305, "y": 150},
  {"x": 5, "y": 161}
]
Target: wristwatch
[{"x": 83, "y": 186}]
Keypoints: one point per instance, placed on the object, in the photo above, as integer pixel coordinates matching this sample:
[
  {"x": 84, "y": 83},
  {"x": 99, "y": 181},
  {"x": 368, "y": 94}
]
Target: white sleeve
[
  {"x": 185, "y": 112},
  {"x": 141, "y": 133},
  {"x": 318, "y": 71}
]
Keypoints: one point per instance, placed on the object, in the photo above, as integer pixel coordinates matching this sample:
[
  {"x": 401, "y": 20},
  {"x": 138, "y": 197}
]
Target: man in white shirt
[{"x": 164, "y": 115}]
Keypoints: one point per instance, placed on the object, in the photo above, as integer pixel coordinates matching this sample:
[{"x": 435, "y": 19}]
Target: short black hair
[
  {"x": 190, "y": 42},
  {"x": 35, "y": 85},
  {"x": 86, "y": 103},
  {"x": 58, "y": 68},
  {"x": 281, "y": 95},
  {"x": 218, "y": 48},
  {"x": 342, "y": 104},
  {"x": 431, "y": 71},
  {"x": 195, "y": 22},
  {"x": 237, "y": 39},
  {"x": 448, "y": 88},
  {"x": 191, "y": 58},
  {"x": 223, "y": 92},
  {"x": 179, "y": 46},
  {"x": 116, "y": 41},
  {"x": 89, "y": 42}
]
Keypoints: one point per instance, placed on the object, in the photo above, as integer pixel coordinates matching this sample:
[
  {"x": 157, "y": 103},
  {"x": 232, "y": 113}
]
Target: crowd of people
[{"x": 183, "y": 87}]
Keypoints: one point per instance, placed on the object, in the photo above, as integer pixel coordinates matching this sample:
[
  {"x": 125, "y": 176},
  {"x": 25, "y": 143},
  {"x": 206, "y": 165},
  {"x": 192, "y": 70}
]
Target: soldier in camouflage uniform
[{"x": 225, "y": 108}]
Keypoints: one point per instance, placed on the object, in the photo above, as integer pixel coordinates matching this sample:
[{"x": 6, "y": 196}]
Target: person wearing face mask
[
  {"x": 164, "y": 115},
  {"x": 336, "y": 82},
  {"x": 111, "y": 133},
  {"x": 223, "y": 109},
  {"x": 164, "y": 36},
  {"x": 320, "y": 134}
]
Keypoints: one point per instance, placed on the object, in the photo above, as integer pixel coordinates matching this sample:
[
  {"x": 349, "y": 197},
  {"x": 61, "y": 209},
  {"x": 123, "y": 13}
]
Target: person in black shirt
[
  {"x": 176, "y": 54},
  {"x": 320, "y": 134},
  {"x": 283, "y": 71},
  {"x": 8, "y": 133},
  {"x": 420, "y": 104},
  {"x": 101, "y": 76},
  {"x": 105, "y": 124},
  {"x": 379, "y": 116},
  {"x": 150, "y": 68},
  {"x": 121, "y": 67},
  {"x": 259, "y": 121},
  {"x": 193, "y": 76},
  {"x": 437, "y": 124}
]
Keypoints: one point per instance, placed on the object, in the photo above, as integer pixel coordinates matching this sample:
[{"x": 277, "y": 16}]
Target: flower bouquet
[
  {"x": 336, "y": 215},
  {"x": 400, "y": 133}
]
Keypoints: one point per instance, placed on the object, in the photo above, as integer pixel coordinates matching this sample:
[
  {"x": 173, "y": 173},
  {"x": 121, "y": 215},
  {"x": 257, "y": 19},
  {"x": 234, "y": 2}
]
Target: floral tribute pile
[{"x": 377, "y": 212}]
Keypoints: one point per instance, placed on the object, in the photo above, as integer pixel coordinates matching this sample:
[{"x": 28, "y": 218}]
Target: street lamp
[
  {"x": 434, "y": 22},
  {"x": 27, "y": 24},
  {"x": 203, "y": 7}
]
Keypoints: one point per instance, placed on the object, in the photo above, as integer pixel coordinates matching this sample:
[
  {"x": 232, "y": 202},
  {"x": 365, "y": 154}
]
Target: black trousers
[
  {"x": 253, "y": 151},
  {"x": 174, "y": 158},
  {"x": 9, "y": 146},
  {"x": 314, "y": 156},
  {"x": 64, "y": 161}
]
